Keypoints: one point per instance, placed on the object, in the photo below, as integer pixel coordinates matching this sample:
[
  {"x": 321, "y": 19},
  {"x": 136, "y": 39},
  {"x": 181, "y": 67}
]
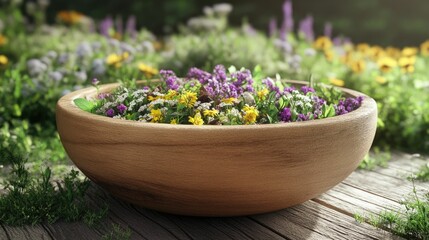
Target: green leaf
[
  {"x": 257, "y": 75},
  {"x": 84, "y": 104},
  {"x": 232, "y": 69}
]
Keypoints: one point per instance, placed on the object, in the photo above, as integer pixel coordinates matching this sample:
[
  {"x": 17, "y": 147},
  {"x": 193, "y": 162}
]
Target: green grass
[
  {"x": 378, "y": 158},
  {"x": 35, "y": 198},
  {"x": 423, "y": 174},
  {"x": 118, "y": 233},
  {"x": 413, "y": 223}
]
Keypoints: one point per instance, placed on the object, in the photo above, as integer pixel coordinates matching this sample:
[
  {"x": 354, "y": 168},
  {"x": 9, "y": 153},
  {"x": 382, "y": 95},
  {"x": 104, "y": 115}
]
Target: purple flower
[
  {"x": 110, "y": 112},
  {"x": 271, "y": 85},
  {"x": 287, "y": 25},
  {"x": 219, "y": 73},
  {"x": 306, "y": 27},
  {"x": 307, "y": 89},
  {"x": 121, "y": 108},
  {"x": 95, "y": 81},
  {"x": 303, "y": 117},
  {"x": 103, "y": 95},
  {"x": 131, "y": 26},
  {"x": 328, "y": 30},
  {"x": 272, "y": 27},
  {"x": 348, "y": 105},
  {"x": 200, "y": 75},
  {"x": 289, "y": 89},
  {"x": 105, "y": 26},
  {"x": 285, "y": 115},
  {"x": 170, "y": 79}
]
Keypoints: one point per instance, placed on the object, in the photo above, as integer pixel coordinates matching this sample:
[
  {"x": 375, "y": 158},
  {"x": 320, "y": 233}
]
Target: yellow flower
[
  {"x": 262, "y": 93},
  {"x": 211, "y": 113},
  {"x": 329, "y": 55},
  {"x": 173, "y": 121},
  {"x": 337, "y": 82},
  {"x": 3, "y": 40},
  {"x": 409, "y": 51},
  {"x": 393, "y": 52},
  {"x": 3, "y": 60},
  {"x": 114, "y": 59},
  {"x": 147, "y": 70},
  {"x": 380, "y": 79},
  {"x": 153, "y": 98},
  {"x": 386, "y": 64},
  {"x": 188, "y": 99},
  {"x": 363, "y": 47},
  {"x": 376, "y": 52},
  {"x": 170, "y": 94},
  {"x": 196, "y": 120},
  {"x": 322, "y": 43},
  {"x": 156, "y": 115},
  {"x": 424, "y": 48},
  {"x": 358, "y": 66},
  {"x": 70, "y": 17},
  {"x": 407, "y": 64},
  {"x": 229, "y": 101},
  {"x": 250, "y": 114}
]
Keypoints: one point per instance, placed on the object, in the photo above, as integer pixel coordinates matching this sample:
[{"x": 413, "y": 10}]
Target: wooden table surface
[{"x": 330, "y": 216}]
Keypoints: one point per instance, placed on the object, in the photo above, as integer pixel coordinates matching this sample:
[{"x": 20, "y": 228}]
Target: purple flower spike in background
[
  {"x": 121, "y": 108},
  {"x": 105, "y": 26},
  {"x": 272, "y": 27},
  {"x": 287, "y": 25},
  {"x": 306, "y": 28},
  {"x": 328, "y": 30},
  {"x": 110, "y": 112},
  {"x": 196, "y": 73},
  {"x": 307, "y": 89},
  {"x": 131, "y": 28}
]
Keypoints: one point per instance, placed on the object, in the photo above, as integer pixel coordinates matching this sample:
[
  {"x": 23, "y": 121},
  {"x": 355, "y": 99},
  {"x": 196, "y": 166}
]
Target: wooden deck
[{"x": 330, "y": 216}]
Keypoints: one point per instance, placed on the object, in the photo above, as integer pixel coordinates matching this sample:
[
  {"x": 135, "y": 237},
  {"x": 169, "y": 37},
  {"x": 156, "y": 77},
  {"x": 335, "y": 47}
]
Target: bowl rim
[{"x": 66, "y": 104}]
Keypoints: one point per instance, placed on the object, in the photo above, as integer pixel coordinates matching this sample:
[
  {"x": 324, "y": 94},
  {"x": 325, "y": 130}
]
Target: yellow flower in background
[
  {"x": 386, "y": 64},
  {"x": 329, "y": 55},
  {"x": 262, "y": 93},
  {"x": 211, "y": 113},
  {"x": 196, "y": 120},
  {"x": 377, "y": 52},
  {"x": 173, "y": 121},
  {"x": 3, "y": 40},
  {"x": 381, "y": 80},
  {"x": 409, "y": 52},
  {"x": 363, "y": 47},
  {"x": 117, "y": 59},
  {"x": 188, "y": 99},
  {"x": 358, "y": 66},
  {"x": 250, "y": 114},
  {"x": 147, "y": 70},
  {"x": 407, "y": 64},
  {"x": 424, "y": 48},
  {"x": 70, "y": 17},
  {"x": 323, "y": 43},
  {"x": 3, "y": 60},
  {"x": 156, "y": 115},
  {"x": 393, "y": 52},
  {"x": 114, "y": 59},
  {"x": 337, "y": 82}
]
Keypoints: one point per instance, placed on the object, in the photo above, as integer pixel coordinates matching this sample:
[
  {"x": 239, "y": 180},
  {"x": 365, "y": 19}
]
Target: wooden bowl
[{"x": 215, "y": 170}]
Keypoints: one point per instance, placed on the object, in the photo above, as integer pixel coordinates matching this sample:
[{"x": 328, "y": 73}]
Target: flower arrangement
[{"x": 233, "y": 97}]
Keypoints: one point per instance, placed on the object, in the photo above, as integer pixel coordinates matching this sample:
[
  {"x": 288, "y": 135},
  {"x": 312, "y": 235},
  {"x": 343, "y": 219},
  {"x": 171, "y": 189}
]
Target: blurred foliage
[{"x": 384, "y": 22}]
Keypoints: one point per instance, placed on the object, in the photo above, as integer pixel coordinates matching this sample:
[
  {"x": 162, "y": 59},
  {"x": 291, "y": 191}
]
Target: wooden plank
[
  {"x": 72, "y": 230},
  {"x": 3, "y": 233},
  {"x": 350, "y": 200},
  {"x": 311, "y": 220},
  {"x": 27, "y": 232}
]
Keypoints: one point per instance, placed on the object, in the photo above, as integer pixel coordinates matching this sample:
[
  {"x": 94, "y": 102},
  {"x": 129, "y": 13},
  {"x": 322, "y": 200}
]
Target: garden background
[{"x": 48, "y": 49}]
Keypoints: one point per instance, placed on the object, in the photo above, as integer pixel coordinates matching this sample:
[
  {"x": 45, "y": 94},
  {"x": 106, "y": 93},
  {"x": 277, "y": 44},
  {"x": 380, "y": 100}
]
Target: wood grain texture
[
  {"x": 215, "y": 170},
  {"x": 36, "y": 232}
]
